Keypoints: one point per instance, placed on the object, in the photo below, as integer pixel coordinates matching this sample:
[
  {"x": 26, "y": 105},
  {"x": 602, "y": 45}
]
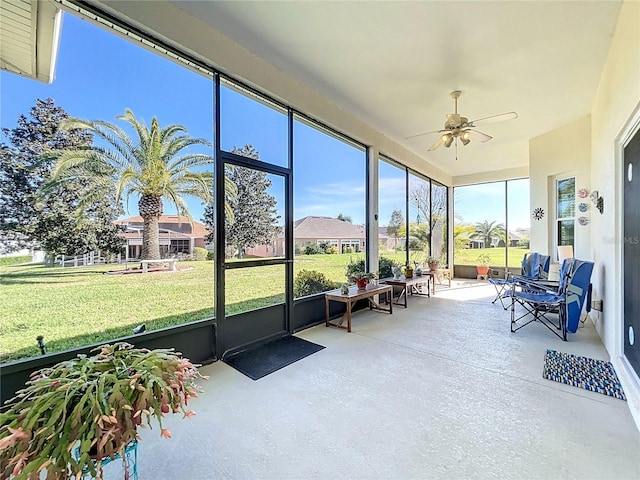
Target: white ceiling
[{"x": 393, "y": 64}]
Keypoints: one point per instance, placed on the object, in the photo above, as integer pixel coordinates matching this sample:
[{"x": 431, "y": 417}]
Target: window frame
[{"x": 557, "y": 218}]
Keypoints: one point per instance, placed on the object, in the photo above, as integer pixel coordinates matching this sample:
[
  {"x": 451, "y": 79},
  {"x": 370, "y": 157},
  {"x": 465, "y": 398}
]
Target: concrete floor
[{"x": 442, "y": 389}]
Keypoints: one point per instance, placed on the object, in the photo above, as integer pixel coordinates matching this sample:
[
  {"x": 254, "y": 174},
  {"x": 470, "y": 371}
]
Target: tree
[
  {"x": 487, "y": 231},
  {"x": 156, "y": 166},
  {"x": 344, "y": 218},
  {"x": 396, "y": 222},
  {"x": 58, "y": 222},
  {"x": 431, "y": 204},
  {"x": 254, "y": 219}
]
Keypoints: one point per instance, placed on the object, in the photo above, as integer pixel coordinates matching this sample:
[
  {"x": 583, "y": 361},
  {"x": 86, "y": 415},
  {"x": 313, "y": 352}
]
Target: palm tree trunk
[{"x": 151, "y": 238}]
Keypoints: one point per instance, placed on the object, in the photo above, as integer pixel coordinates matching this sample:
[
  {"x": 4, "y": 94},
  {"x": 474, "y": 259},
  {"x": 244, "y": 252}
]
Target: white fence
[{"x": 86, "y": 259}]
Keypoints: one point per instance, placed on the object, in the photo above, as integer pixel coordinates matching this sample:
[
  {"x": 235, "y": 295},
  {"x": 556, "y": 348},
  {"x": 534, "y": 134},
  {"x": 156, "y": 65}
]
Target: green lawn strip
[
  {"x": 469, "y": 256},
  {"x": 14, "y": 260}
]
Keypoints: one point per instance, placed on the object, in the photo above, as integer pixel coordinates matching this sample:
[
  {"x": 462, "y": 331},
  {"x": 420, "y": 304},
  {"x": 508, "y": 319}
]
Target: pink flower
[
  {"x": 189, "y": 414},
  {"x": 165, "y": 433}
]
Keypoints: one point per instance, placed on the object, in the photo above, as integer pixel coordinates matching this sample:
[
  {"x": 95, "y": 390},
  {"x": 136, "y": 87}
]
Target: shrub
[
  {"x": 354, "y": 267},
  {"x": 309, "y": 282},
  {"x": 348, "y": 250},
  {"x": 384, "y": 267},
  {"x": 323, "y": 247},
  {"x": 210, "y": 255},
  {"x": 312, "y": 249},
  {"x": 199, "y": 254},
  {"x": 333, "y": 250}
]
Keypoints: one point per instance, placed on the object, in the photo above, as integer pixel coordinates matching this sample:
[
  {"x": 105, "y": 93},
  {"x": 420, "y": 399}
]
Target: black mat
[{"x": 272, "y": 356}]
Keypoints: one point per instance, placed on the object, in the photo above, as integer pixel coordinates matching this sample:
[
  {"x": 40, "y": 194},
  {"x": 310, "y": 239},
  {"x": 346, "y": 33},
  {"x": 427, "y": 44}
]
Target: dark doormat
[
  {"x": 272, "y": 356},
  {"x": 582, "y": 372}
]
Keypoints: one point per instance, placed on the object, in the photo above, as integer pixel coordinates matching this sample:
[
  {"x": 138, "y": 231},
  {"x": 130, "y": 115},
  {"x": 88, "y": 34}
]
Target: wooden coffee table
[
  {"x": 352, "y": 297},
  {"x": 418, "y": 285}
]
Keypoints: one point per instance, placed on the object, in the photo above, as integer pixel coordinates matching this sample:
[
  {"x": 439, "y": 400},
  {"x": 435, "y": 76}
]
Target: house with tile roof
[
  {"x": 177, "y": 235},
  {"x": 318, "y": 230}
]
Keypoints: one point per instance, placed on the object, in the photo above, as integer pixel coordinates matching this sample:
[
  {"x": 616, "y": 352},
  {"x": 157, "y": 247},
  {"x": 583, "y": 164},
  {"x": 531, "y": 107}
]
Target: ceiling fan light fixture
[
  {"x": 448, "y": 141},
  {"x": 464, "y": 140}
]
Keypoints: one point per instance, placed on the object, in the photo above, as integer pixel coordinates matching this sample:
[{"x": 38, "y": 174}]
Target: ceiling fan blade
[
  {"x": 479, "y": 136},
  {"x": 494, "y": 118},
  {"x": 436, "y": 145},
  {"x": 423, "y": 133}
]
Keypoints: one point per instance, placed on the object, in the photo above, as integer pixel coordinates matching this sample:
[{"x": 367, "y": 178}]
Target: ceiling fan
[{"x": 459, "y": 127}]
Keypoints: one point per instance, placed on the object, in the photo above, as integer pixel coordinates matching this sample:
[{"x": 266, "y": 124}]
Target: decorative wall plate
[
  {"x": 583, "y": 193},
  {"x": 583, "y": 221},
  {"x": 538, "y": 213},
  {"x": 583, "y": 207},
  {"x": 594, "y": 196}
]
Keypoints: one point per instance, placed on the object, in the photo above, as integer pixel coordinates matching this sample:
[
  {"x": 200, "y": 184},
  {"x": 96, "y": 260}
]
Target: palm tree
[
  {"x": 487, "y": 231},
  {"x": 154, "y": 167}
]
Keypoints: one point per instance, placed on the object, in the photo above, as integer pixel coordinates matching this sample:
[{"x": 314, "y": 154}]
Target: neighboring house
[
  {"x": 514, "y": 239},
  {"x": 387, "y": 241},
  {"x": 177, "y": 235},
  {"x": 318, "y": 230},
  {"x": 329, "y": 230}
]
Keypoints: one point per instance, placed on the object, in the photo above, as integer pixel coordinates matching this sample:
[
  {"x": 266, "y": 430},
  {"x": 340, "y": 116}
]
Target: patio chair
[
  {"x": 535, "y": 266},
  {"x": 557, "y": 310}
]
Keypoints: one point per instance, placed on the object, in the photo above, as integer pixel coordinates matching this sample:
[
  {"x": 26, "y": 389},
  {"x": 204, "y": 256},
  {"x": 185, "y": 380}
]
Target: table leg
[
  {"x": 326, "y": 311},
  {"x": 349, "y": 316}
]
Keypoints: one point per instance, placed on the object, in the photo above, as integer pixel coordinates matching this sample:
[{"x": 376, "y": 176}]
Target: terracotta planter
[
  {"x": 482, "y": 269},
  {"x": 434, "y": 266},
  {"x": 362, "y": 283}
]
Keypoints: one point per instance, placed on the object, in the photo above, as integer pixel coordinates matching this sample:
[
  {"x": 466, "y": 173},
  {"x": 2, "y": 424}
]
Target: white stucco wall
[
  {"x": 615, "y": 108},
  {"x": 564, "y": 151}
]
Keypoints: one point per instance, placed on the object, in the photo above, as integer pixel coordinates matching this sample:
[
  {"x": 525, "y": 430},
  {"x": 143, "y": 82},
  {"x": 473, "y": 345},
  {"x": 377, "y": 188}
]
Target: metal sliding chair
[
  {"x": 557, "y": 310},
  {"x": 534, "y": 267}
]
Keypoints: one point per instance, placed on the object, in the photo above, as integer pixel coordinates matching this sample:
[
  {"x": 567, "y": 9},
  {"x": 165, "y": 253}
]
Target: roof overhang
[{"x": 29, "y": 38}]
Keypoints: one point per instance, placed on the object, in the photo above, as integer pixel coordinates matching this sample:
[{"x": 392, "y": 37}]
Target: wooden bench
[
  {"x": 418, "y": 285},
  {"x": 171, "y": 261},
  {"x": 352, "y": 297}
]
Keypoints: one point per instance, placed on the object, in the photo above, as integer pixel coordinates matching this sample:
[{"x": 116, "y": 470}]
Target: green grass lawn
[
  {"x": 469, "y": 256},
  {"x": 77, "y": 306}
]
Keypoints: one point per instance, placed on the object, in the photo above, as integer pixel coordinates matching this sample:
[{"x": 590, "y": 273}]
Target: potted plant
[
  {"x": 361, "y": 279},
  {"x": 433, "y": 262},
  {"x": 408, "y": 271},
  {"x": 73, "y": 416},
  {"x": 483, "y": 263}
]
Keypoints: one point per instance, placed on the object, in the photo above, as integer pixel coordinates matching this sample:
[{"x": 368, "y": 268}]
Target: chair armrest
[{"x": 535, "y": 285}]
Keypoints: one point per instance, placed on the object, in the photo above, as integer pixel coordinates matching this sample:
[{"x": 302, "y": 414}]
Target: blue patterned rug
[{"x": 582, "y": 372}]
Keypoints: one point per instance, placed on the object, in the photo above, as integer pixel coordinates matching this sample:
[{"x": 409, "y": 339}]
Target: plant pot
[
  {"x": 482, "y": 269},
  {"x": 434, "y": 266},
  {"x": 408, "y": 272},
  {"x": 362, "y": 283}
]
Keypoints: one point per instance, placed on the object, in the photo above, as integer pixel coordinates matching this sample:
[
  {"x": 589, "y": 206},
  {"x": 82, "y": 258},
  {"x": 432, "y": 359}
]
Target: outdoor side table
[
  {"x": 352, "y": 297},
  {"x": 435, "y": 275},
  {"x": 418, "y": 285}
]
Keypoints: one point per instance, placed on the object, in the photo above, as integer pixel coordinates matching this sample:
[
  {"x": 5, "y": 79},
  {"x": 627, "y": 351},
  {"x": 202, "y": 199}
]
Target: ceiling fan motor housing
[{"x": 455, "y": 121}]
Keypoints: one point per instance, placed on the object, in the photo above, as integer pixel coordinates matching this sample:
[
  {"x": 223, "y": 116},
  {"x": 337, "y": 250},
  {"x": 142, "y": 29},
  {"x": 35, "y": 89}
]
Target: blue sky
[{"x": 99, "y": 75}]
